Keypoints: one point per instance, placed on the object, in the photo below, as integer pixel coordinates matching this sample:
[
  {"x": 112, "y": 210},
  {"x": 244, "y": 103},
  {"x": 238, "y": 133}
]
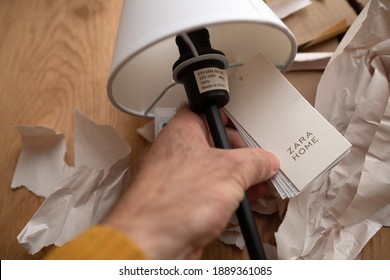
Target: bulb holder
[{"x": 198, "y": 68}]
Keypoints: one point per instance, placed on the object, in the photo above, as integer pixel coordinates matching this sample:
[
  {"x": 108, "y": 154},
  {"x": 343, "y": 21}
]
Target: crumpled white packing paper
[
  {"x": 284, "y": 8},
  {"x": 76, "y": 197},
  {"x": 341, "y": 211}
]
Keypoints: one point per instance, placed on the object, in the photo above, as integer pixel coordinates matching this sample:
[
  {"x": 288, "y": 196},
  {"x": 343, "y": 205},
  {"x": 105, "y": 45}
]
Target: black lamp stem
[
  {"x": 244, "y": 212},
  {"x": 206, "y": 59}
]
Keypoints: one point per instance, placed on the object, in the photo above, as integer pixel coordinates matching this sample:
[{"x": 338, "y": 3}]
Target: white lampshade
[{"x": 146, "y": 50}]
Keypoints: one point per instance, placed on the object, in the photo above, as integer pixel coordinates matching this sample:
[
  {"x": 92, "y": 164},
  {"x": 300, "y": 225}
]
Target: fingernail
[{"x": 275, "y": 162}]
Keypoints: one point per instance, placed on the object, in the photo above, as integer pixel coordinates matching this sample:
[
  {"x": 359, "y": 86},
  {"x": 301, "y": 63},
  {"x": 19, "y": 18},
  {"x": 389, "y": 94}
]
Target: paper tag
[
  {"x": 161, "y": 118},
  {"x": 274, "y": 116},
  {"x": 211, "y": 78}
]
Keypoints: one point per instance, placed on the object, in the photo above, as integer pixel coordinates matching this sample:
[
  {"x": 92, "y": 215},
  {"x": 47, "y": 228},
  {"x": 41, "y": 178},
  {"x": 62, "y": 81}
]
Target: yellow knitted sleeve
[{"x": 98, "y": 243}]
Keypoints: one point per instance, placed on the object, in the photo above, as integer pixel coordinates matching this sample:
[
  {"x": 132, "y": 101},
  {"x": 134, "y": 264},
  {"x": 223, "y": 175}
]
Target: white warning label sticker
[{"x": 211, "y": 78}]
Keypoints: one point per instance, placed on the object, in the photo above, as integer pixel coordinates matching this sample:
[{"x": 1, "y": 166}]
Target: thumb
[{"x": 255, "y": 165}]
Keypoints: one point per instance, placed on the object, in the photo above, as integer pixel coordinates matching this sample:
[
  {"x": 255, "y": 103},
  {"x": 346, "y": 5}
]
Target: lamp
[{"x": 149, "y": 38}]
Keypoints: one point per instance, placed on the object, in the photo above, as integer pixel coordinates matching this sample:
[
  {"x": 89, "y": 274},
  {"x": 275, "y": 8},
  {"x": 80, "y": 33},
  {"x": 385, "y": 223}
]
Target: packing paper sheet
[
  {"x": 76, "y": 196},
  {"x": 342, "y": 210},
  {"x": 284, "y": 8}
]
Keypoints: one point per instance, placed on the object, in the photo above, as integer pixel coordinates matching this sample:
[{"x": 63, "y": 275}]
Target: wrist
[{"x": 144, "y": 223}]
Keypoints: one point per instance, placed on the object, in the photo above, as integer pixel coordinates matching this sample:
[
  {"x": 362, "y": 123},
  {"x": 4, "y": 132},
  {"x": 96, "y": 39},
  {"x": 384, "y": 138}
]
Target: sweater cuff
[{"x": 100, "y": 242}]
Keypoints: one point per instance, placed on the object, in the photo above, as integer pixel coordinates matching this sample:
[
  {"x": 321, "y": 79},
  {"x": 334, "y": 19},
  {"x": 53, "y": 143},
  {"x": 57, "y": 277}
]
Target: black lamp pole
[{"x": 208, "y": 103}]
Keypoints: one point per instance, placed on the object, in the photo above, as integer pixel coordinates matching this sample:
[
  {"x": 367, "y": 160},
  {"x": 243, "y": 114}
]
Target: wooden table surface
[{"x": 55, "y": 56}]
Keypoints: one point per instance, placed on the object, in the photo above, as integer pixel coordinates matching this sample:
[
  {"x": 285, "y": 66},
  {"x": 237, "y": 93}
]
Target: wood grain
[{"x": 55, "y": 56}]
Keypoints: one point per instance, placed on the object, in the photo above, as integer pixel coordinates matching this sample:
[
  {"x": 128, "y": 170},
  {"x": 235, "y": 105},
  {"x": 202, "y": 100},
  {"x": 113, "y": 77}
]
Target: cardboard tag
[{"x": 270, "y": 113}]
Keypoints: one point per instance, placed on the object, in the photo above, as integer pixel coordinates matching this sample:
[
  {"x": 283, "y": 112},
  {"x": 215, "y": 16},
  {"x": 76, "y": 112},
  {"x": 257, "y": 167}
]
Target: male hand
[{"x": 186, "y": 191}]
